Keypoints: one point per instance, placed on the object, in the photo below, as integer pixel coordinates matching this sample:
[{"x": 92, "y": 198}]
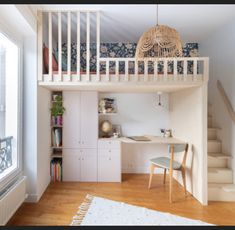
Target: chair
[{"x": 169, "y": 164}]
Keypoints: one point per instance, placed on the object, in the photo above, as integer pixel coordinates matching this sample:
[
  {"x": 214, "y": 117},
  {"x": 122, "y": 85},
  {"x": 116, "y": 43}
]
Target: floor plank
[{"x": 60, "y": 201}]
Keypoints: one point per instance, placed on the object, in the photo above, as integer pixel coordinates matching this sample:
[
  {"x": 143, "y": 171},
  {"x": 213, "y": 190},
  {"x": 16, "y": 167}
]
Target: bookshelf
[{"x": 56, "y": 136}]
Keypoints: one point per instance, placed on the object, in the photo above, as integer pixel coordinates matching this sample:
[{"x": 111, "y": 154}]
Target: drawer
[
  {"x": 109, "y": 144},
  {"x": 108, "y": 152}
]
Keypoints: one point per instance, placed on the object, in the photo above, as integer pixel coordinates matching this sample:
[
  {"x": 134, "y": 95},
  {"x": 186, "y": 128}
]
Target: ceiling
[{"x": 126, "y": 23}]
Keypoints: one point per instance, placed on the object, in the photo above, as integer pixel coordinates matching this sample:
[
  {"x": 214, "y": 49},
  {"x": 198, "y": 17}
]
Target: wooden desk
[{"x": 153, "y": 140}]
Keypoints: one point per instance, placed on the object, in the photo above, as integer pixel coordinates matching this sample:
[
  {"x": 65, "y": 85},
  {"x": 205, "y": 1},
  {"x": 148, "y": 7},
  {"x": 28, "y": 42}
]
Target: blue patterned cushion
[{"x": 165, "y": 162}]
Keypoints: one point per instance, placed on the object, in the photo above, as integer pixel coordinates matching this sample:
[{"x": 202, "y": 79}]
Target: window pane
[{"x": 9, "y": 72}]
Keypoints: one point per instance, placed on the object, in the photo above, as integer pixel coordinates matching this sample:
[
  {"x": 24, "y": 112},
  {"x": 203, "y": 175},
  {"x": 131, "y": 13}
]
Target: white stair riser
[
  {"x": 217, "y": 162},
  {"x": 212, "y": 134},
  {"x": 214, "y": 147},
  {"x": 218, "y": 194},
  {"x": 221, "y": 176}
]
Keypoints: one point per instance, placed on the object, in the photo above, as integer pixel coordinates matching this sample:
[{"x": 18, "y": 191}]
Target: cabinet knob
[
  {"x": 110, "y": 142},
  {"x": 110, "y": 151},
  {"x": 110, "y": 159},
  {"x": 82, "y": 158},
  {"x": 79, "y": 142}
]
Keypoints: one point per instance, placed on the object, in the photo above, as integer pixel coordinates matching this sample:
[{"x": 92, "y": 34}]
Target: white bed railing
[{"x": 198, "y": 72}]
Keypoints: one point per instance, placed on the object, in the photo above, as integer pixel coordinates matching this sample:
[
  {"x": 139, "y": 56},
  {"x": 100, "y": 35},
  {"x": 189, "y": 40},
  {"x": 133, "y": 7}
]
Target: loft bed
[{"x": 65, "y": 37}]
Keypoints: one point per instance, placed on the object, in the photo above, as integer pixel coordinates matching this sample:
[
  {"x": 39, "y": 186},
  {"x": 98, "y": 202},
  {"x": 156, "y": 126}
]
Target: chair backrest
[{"x": 180, "y": 148}]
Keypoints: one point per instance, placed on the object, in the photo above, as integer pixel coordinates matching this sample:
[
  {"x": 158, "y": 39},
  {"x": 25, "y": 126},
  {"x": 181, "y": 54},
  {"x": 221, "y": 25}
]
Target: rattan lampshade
[{"x": 159, "y": 41}]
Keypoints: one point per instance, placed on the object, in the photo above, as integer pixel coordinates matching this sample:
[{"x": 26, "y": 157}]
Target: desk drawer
[
  {"x": 109, "y": 144},
  {"x": 108, "y": 152}
]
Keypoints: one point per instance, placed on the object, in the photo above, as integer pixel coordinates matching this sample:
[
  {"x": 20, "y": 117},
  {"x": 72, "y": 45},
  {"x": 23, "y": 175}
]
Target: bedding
[{"x": 118, "y": 50}]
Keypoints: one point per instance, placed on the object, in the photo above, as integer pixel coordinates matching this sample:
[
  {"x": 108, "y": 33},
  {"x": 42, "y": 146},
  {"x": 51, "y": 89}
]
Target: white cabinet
[
  {"x": 80, "y": 135},
  {"x": 89, "y": 119},
  {"x": 71, "y": 120},
  {"x": 71, "y": 165},
  {"x": 80, "y": 120},
  {"x": 88, "y": 165},
  {"x": 109, "y": 161},
  {"x": 80, "y": 165}
]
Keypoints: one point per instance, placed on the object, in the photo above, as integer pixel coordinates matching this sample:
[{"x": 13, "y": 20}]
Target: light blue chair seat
[{"x": 164, "y": 162}]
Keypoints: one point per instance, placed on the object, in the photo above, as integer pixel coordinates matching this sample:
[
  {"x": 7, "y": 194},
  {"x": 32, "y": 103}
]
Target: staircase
[{"x": 220, "y": 177}]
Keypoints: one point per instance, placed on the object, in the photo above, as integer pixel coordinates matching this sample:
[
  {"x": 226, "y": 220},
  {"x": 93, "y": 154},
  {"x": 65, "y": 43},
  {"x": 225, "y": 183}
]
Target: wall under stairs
[{"x": 220, "y": 177}]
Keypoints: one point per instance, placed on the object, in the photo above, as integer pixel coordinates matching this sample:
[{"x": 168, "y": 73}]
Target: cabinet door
[
  {"x": 109, "y": 165},
  {"x": 71, "y": 165},
  {"x": 88, "y": 165},
  {"x": 89, "y": 119},
  {"x": 71, "y": 119}
]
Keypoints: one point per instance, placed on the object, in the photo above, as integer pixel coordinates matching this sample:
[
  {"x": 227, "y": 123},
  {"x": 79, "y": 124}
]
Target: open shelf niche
[{"x": 56, "y": 136}]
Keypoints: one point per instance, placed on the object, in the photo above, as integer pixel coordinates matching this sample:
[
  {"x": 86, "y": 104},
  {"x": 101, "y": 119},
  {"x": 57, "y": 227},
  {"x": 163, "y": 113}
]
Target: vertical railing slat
[
  {"x": 50, "y": 45},
  {"x": 145, "y": 70},
  {"x": 78, "y": 47},
  {"x": 40, "y": 46},
  {"x": 107, "y": 70},
  {"x": 155, "y": 63},
  {"x": 69, "y": 44},
  {"x": 136, "y": 70},
  {"x": 165, "y": 69},
  {"x": 59, "y": 46},
  {"x": 185, "y": 69},
  {"x": 88, "y": 45},
  {"x": 98, "y": 45},
  {"x": 126, "y": 71},
  {"x": 175, "y": 69},
  {"x": 195, "y": 69},
  {"x": 117, "y": 70}
]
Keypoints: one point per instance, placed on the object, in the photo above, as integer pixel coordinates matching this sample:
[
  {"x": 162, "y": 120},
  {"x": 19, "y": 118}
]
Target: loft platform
[{"x": 69, "y": 34}]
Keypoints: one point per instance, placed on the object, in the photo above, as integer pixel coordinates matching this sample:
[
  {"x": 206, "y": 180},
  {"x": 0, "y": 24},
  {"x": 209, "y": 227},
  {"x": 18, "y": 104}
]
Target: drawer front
[
  {"x": 109, "y": 152},
  {"x": 108, "y": 144},
  {"x": 109, "y": 169}
]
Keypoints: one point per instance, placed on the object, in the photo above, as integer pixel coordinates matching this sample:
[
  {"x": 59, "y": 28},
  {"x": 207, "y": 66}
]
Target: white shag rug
[{"x": 100, "y": 211}]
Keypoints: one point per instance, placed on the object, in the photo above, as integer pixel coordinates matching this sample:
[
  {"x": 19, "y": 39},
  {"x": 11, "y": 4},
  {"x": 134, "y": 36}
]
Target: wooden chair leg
[
  {"x": 164, "y": 180},
  {"x": 151, "y": 174},
  {"x": 171, "y": 180},
  {"x": 184, "y": 181}
]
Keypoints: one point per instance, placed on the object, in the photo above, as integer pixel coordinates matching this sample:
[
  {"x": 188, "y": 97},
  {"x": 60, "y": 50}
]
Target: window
[{"x": 10, "y": 110}]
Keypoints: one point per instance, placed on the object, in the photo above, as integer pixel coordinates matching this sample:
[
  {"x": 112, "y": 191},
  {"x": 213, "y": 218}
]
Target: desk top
[{"x": 153, "y": 140}]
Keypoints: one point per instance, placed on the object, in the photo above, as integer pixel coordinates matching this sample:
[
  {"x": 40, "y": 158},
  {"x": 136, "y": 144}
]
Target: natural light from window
[{"x": 9, "y": 74}]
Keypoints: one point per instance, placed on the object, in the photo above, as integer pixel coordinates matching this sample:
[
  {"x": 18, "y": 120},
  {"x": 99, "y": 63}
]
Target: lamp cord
[{"x": 157, "y": 14}]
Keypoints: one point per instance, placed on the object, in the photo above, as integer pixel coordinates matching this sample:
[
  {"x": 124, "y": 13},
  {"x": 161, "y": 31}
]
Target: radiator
[{"x": 12, "y": 199}]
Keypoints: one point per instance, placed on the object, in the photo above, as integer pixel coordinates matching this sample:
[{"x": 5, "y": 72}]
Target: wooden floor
[{"x": 61, "y": 200}]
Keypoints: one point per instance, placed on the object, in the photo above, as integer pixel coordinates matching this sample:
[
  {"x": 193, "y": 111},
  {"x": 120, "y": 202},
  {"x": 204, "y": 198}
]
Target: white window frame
[{"x": 18, "y": 171}]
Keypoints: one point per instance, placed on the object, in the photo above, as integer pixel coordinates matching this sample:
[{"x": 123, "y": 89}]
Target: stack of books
[
  {"x": 56, "y": 137},
  {"x": 56, "y": 169}
]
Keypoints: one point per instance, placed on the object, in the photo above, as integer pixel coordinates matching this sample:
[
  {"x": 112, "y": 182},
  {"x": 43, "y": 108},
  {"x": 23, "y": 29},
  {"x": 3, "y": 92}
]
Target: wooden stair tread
[
  {"x": 214, "y": 128},
  {"x": 217, "y": 169},
  {"x": 219, "y": 155},
  {"x": 227, "y": 187},
  {"x": 214, "y": 140}
]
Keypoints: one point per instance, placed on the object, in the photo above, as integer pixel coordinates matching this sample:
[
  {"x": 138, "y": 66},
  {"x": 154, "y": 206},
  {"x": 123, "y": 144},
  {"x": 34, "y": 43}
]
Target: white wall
[
  {"x": 36, "y": 132},
  {"x": 219, "y": 46},
  {"x": 138, "y": 114},
  {"x": 30, "y": 117},
  {"x": 43, "y": 140},
  {"x": 188, "y": 120}
]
